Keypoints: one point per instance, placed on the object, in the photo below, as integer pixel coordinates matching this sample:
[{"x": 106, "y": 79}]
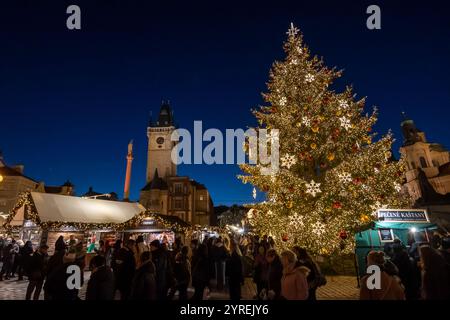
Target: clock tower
[{"x": 160, "y": 145}]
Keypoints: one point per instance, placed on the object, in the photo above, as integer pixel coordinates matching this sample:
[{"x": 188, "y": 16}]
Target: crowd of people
[
  {"x": 135, "y": 270},
  {"x": 422, "y": 272}
]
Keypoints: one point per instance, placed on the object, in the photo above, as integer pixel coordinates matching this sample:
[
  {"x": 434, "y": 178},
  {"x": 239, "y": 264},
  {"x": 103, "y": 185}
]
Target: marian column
[{"x": 126, "y": 190}]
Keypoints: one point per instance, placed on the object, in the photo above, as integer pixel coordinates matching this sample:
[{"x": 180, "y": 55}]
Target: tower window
[
  {"x": 178, "y": 188},
  {"x": 413, "y": 165},
  {"x": 423, "y": 162},
  {"x": 201, "y": 198}
]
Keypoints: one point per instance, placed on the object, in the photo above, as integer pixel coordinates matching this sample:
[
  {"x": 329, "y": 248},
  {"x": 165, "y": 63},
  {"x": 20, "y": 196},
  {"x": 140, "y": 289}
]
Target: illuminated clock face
[{"x": 160, "y": 140}]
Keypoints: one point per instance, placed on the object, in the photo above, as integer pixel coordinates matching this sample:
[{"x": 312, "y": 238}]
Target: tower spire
[{"x": 126, "y": 189}]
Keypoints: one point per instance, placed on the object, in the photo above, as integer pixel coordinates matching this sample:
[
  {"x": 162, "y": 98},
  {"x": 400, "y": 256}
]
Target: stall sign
[
  {"x": 403, "y": 215},
  {"x": 386, "y": 235}
]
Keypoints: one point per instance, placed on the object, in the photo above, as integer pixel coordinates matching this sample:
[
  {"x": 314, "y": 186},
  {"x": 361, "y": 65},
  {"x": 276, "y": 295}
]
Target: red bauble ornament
[
  {"x": 265, "y": 188},
  {"x": 291, "y": 189},
  {"x": 357, "y": 180},
  {"x": 369, "y": 129},
  {"x": 274, "y": 109},
  {"x": 323, "y": 165},
  {"x": 343, "y": 235},
  {"x": 337, "y": 205},
  {"x": 284, "y": 237}
]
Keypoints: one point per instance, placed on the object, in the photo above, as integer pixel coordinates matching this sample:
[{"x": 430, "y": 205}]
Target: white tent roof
[{"x": 53, "y": 207}]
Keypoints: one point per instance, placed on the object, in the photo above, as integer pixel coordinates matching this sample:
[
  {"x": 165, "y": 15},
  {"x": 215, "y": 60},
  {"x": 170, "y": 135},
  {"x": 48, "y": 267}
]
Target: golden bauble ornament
[
  {"x": 339, "y": 113},
  {"x": 298, "y": 124},
  {"x": 313, "y": 146},
  {"x": 315, "y": 129},
  {"x": 330, "y": 157},
  {"x": 290, "y": 204},
  {"x": 364, "y": 218}
]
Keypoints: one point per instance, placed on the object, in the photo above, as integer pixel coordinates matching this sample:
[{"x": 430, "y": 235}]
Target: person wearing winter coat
[
  {"x": 219, "y": 257},
  {"x": 144, "y": 283},
  {"x": 182, "y": 272},
  {"x": 36, "y": 273},
  {"x": 435, "y": 276},
  {"x": 235, "y": 272},
  {"x": 125, "y": 269},
  {"x": 200, "y": 272},
  {"x": 275, "y": 273},
  {"x": 294, "y": 285},
  {"x": 405, "y": 271},
  {"x": 164, "y": 272},
  {"x": 101, "y": 283},
  {"x": 315, "y": 278},
  {"x": 25, "y": 254},
  {"x": 56, "y": 284},
  {"x": 141, "y": 247},
  {"x": 260, "y": 270},
  {"x": 390, "y": 288},
  {"x": 7, "y": 260}
]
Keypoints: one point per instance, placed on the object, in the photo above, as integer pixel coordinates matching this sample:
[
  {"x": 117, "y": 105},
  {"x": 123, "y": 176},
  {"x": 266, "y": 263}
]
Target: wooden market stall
[{"x": 42, "y": 218}]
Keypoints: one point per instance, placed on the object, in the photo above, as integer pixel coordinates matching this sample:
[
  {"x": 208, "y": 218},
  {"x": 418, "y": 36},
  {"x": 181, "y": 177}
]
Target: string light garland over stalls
[
  {"x": 25, "y": 200},
  {"x": 333, "y": 174}
]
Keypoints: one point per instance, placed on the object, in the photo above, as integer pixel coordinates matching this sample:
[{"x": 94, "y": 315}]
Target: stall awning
[
  {"x": 52, "y": 207},
  {"x": 404, "y": 225},
  {"x": 55, "y": 210}
]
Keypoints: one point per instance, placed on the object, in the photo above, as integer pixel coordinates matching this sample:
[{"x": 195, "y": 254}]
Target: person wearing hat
[
  {"x": 36, "y": 272},
  {"x": 390, "y": 286}
]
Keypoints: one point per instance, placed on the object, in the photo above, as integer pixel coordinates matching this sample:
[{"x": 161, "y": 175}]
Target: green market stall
[{"x": 402, "y": 224}]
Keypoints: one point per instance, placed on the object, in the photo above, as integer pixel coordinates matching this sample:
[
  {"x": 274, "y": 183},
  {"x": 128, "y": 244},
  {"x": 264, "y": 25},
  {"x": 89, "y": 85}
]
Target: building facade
[
  {"x": 424, "y": 161},
  {"x": 165, "y": 192},
  {"x": 13, "y": 182}
]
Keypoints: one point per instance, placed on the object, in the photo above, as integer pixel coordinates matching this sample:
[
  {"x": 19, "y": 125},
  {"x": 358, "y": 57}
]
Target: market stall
[
  {"x": 42, "y": 218},
  {"x": 159, "y": 227},
  {"x": 407, "y": 225}
]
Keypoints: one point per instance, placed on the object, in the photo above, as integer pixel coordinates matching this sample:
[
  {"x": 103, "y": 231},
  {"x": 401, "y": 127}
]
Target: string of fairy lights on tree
[{"x": 334, "y": 175}]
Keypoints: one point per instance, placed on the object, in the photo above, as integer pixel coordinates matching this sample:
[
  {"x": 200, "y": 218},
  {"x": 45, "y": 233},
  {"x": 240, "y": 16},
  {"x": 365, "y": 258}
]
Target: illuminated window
[
  {"x": 201, "y": 198},
  {"x": 178, "y": 188}
]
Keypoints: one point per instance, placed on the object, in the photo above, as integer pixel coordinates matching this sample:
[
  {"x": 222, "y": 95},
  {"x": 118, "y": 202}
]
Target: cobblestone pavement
[{"x": 337, "y": 288}]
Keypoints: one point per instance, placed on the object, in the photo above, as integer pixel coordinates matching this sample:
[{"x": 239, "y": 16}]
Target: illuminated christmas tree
[{"x": 333, "y": 175}]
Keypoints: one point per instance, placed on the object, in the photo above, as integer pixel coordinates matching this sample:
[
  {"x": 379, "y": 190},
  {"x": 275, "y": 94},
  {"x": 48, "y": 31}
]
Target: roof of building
[
  {"x": 55, "y": 208},
  {"x": 198, "y": 185},
  {"x": 173, "y": 220},
  {"x": 51, "y": 189},
  {"x": 91, "y": 193},
  {"x": 437, "y": 147},
  {"x": 165, "y": 117},
  {"x": 157, "y": 183},
  {"x": 11, "y": 172}
]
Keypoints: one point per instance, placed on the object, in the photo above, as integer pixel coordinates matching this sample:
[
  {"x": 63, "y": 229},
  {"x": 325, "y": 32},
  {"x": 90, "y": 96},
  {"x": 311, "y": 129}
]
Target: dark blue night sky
[{"x": 71, "y": 100}]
